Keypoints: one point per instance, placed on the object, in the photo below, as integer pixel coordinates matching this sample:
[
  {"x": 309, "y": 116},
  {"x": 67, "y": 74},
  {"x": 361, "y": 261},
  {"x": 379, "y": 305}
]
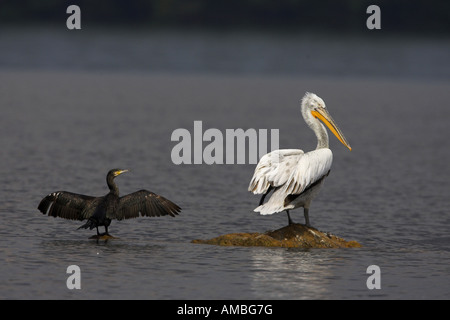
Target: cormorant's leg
[
  {"x": 106, "y": 231},
  {"x": 98, "y": 233},
  {"x": 289, "y": 218},
  {"x": 306, "y": 210}
]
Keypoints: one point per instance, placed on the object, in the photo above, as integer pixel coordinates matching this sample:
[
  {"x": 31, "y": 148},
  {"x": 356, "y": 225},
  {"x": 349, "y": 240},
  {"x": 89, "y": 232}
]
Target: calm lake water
[{"x": 73, "y": 108}]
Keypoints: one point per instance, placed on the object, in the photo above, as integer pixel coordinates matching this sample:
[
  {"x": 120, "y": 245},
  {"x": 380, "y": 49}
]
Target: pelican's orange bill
[{"x": 323, "y": 115}]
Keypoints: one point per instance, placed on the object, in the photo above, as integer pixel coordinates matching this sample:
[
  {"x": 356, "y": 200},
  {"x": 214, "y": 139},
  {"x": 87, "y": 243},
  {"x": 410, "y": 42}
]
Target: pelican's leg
[
  {"x": 306, "y": 210},
  {"x": 289, "y": 218}
]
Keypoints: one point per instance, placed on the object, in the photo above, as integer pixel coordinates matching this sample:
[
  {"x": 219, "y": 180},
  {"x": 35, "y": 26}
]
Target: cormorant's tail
[{"x": 89, "y": 224}]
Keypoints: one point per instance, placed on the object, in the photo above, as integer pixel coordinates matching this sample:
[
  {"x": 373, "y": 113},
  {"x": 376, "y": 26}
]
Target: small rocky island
[{"x": 292, "y": 236}]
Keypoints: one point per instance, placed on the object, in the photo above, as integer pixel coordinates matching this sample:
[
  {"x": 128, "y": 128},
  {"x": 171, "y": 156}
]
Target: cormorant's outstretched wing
[
  {"x": 68, "y": 205},
  {"x": 146, "y": 203}
]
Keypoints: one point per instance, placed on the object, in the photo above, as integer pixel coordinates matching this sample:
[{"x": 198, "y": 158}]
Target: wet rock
[
  {"x": 292, "y": 236},
  {"x": 102, "y": 237}
]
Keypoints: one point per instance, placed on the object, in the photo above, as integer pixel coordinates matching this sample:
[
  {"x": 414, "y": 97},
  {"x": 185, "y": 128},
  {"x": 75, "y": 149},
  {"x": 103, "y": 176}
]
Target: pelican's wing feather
[
  {"x": 311, "y": 167},
  {"x": 274, "y": 169}
]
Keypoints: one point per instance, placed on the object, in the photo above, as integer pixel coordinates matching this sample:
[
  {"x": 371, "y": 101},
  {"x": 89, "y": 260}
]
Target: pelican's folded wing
[
  {"x": 274, "y": 169},
  {"x": 310, "y": 168}
]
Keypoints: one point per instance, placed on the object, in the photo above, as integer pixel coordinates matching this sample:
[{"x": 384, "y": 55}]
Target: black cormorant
[{"x": 99, "y": 211}]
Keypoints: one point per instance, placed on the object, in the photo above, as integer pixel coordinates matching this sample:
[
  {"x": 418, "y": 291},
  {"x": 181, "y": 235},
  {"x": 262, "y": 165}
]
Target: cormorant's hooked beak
[
  {"x": 118, "y": 172},
  {"x": 323, "y": 115}
]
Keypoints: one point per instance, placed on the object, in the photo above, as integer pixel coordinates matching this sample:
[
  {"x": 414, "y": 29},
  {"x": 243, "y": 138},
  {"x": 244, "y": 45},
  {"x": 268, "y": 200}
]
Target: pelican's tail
[
  {"x": 267, "y": 209},
  {"x": 264, "y": 210},
  {"x": 274, "y": 205}
]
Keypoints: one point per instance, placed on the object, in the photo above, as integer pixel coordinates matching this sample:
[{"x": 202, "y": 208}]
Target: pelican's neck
[
  {"x": 111, "y": 185},
  {"x": 317, "y": 127},
  {"x": 321, "y": 134}
]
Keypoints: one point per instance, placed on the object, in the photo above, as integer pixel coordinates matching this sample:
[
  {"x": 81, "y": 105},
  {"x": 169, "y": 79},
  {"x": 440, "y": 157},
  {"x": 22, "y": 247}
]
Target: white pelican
[{"x": 294, "y": 176}]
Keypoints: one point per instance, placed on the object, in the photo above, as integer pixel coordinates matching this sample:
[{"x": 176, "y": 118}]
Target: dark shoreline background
[{"x": 348, "y": 16}]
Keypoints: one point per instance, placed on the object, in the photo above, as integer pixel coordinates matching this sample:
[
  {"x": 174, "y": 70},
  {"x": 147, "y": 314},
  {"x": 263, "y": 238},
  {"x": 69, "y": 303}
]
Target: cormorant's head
[{"x": 115, "y": 172}]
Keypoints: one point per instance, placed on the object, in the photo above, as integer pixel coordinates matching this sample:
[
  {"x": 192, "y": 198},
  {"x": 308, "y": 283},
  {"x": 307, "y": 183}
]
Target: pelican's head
[{"x": 314, "y": 109}]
